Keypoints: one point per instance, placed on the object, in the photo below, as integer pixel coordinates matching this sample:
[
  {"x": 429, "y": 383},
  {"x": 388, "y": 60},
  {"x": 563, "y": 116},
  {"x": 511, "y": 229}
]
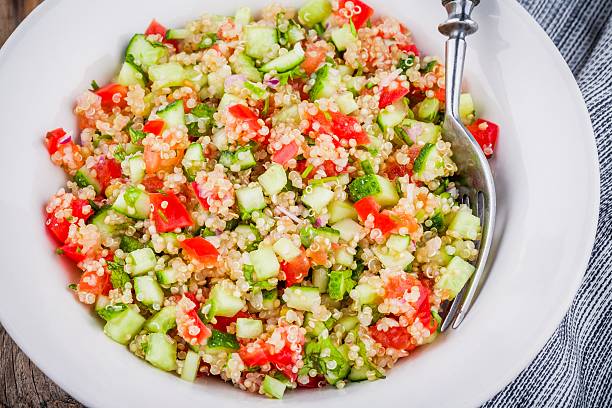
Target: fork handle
[{"x": 458, "y": 25}]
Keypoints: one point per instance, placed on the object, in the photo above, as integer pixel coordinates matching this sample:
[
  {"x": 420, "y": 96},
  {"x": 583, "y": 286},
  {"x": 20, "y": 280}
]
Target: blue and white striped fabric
[{"x": 575, "y": 367}]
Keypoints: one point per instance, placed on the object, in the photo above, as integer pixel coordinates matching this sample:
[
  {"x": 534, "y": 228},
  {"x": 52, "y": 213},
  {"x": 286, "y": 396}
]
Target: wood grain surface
[{"x": 22, "y": 384}]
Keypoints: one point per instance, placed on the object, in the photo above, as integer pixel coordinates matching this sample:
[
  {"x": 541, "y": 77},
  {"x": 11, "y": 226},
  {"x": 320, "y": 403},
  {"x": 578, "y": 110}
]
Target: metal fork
[{"x": 476, "y": 188}]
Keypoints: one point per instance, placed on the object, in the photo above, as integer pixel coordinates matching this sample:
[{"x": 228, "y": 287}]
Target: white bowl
[{"x": 546, "y": 172}]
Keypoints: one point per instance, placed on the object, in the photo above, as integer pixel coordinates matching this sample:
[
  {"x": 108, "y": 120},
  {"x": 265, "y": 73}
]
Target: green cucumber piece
[
  {"x": 457, "y": 273},
  {"x": 314, "y": 12},
  {"x": 148, "y": 291},
  {"x": 162, "y": 321},
  {"x": 161, "y": 351},
  {"x": 123, "y": 327},
  {"x": 248, "y": 328},
  {"x": 273, "y": 180},
  {"x": 339, "y": 210},
  {"x": 260, "y": 40},
  {"x": 285, "y": 62},
  {"x": 173, "y": 114},
  {"x": 265, "y": 263},
  {"x": 302, "y": 298},
  {"x": 191, "y": 366}
]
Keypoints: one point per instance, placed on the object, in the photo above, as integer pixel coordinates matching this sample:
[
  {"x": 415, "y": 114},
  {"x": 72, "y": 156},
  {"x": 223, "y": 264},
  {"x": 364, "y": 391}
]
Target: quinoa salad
[{"x": 267, "y": 198}]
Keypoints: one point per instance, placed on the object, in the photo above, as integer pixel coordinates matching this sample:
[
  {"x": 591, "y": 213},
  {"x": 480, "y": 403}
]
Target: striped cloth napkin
[{"x": 575, "y": 367}]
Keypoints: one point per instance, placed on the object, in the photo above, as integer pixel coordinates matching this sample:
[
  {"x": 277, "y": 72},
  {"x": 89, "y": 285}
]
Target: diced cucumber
[
  {"x": 248, "y": 328},
  {"x": 101, "y": 302},
  {"x": 260, "y": 40},
  {"x": 428, "y": 165},
  {"x": 273, "y": 180},
  {"x": 387, "y": 197},
  {"x": 265, "y": 263},
  {"x": 148, "y": 291},
  {"x": 269, "y": 299},
  {"x": 326, "y": 83},
  {"x": 364, "y": 186},
  {"x": 359, "y": 373},
  {"x": 273, "y": 388},
  {"x": 467, "y": 113},
  {"x": 295, "y": 33},
  {"x": 355, "y": 84},
  {"x": 100, "y": 220},
  {"x": 340, "y": 283},
  {"x": 123, "y": 327},
  {"x": 365, "y": 294},
  {"x": 242, "y": 64},
  {"x": 162, "y": 321},
  {"x": 339, "y": 210},
  {"x": 343, "y": 37},
  {"x": 343, "y": 257},
  {"x": 392, "y": 115},
  {"x": 83, "y": 178},
  {"x": 219, "y": 340},
  {"x": 302, "y": 298},
  {"x": 398, "y": 243},
  {"x": 241, "y": 159},
  {"x": 347, "y": 323},
  {"x": 173, "y": 114},
  {"x": 223, "y": 302},
  {"x": 143, "y": 53},
  {"x": 193, "y": 161},
  {"x": 289, "y": 115},
  {"x": 136, "y": 168},
  {"x": 177, "y": 34},
  {"x": 207, "y": 41},
  {"x": 346, "y": 103},
  {"x": 457, "y": 273},
  {"x": 314, "y": 11},
  {"x": 243, "y": 16},
  {"x": 129, "y": 244},
  {"x": 285, "y": 62},
  {"x": 140, "y": 261},
  {"x": 134, "y": 203},
  {"x": 427, "y": 109},
  {"x": 167, "y": 75},
  {"x": 320, "y": 279},
  {"x": 349, "y": 229},
  {"x": 250, "y": 198},
  {"x": 167, "y": 276},
  {"x": 308, "y": 234},
  {"x": 464, "y": 225},
  {"x": 337, "y": 355},
  {"x": 131, "y": 74},
  {"x": 109, "y": 311},
  {"x": 191, "y": 365},
  {"x": 196, "y": 76},
  {"x": 161, "y": 351},
  {"x": 424, "y": 132},
  {"x": 286, "y": 249},
  {"x": 318, "y": 198},
  {"x": 250, "y": 234},
  {"x": 393, "y": 259},
  {"x": 256, "y": 91},
  {"x": 200, "y": 120},
  {"x": 228, "y": 100}
]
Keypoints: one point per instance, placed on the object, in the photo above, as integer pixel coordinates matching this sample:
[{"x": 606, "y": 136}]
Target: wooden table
[{"x": 22, "y": 384}]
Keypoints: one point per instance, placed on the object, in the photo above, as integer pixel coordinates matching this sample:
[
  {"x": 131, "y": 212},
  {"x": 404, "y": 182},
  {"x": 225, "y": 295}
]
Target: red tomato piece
[
  {"x": 359, "y": 11},
  {"x": 313, "y": 58},
  {"x": 394, "y": 170},
  {"x": 313, "y": 382},
  {"x": 171, "y": 215},
  {"x": 155, "y": 126},
  {"x": 153, "y": 184},
  {"x": 296, "y": 269},
  {"x": 243, "y": 113},
  {"x": 112, "y": 95},
  {"x": 200, "y": 249},
  {"x": 365, "y": 207},
  {"x": 392, "y": 93},
  {"x": 396, "y": 337},
  {"x": 485, "y": 133},
  {"x": 398, "y": 285},
  {"x": 59, "y": 227},
  {"x": 55, "y": 138},
  {"x": 106, "y": 171},
  {"x": 92, "y": 283},
  {"x": 440, "y": 94},
  {"x": 156, "y": 28},
  {"x": 286, "y": 153},
  {"x": 254, "y": 354},
  {"x": 72, "y": 252},
  {"x": 409, "y": 48},
  {"x": 347, "y": 127},
  {"x": 223, "y": 322},
  {"x": 384, "y": 223}
]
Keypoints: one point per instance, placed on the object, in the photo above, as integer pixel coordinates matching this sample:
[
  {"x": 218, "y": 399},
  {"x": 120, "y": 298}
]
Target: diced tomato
[
  {"x": 223, "y": 322},
  {"x": 154, "y": 126},
  {"x": 154, "y": 161},
  {"x": 153, "y": 184},
  {"x": 201, "y": 250},
  {"x": 296, "y": 269},
  {"x": 156, "y": 28},
  {"x": 347, "y": 127},
  {"x": 313, "y": 382},
  {"x": 314, "y": 56},
  {"x": 203, "y": 200},
  {"x": 409, "y": 48},
  {"x": 406, "y": 221},
  {"x": 72, "y": 252},
  {"x": 254, "y": 354},
  {"x": 286, "y": 153},
  {"x": 59, "y": 227},
  {"x": 92, "y": 283},
  {"x": 106, "y": 171},
  {"x": 108, "y": 95},
  {"x": 384, "y": 222},
  {"x": 392, "y": 93},
  {"x": 185, "y": 326},
  {"x": 243, "y": 113},
  {"x": 440, "y": 94},
  {"x": 171, "y": 215},
  {"x": 395, "y": 337},
  {"x": 359, "y": 11},
  {"x": 365, "y": 207},
  {"x": 394, "y": 170},
  {"x": 78, "y": 210},
  {"x": 485, "y": 133},
  {"x": 55, "y": 138},
  {"x": 317, "y": 257}
]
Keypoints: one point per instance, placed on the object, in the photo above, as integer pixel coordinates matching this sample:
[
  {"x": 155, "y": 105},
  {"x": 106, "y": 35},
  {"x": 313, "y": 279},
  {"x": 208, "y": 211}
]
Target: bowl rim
[{"x": 544, "y": 334}]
